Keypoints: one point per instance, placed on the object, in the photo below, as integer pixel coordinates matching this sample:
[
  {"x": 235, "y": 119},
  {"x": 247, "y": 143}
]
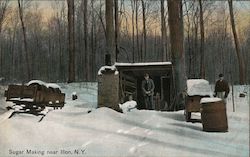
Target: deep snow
[{"x": 104, "y": 132}]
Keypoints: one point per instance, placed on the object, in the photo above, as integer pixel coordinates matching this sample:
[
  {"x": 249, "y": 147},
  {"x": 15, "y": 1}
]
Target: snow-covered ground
[{"x": 81, "y": 130}]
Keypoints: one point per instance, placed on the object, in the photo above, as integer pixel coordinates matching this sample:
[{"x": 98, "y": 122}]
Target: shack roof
[
  {"x": 143, "y": 64},
  {"x": 138, "y": 69}
]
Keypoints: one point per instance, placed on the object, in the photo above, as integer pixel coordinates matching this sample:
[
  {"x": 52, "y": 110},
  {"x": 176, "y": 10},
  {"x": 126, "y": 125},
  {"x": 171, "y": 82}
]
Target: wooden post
[
  {"x": 232, "y": 82},
  {"x": 233, "y": 98}
]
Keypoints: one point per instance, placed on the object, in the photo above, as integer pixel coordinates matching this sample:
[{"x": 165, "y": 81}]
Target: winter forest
[
  {"x": 66, "y": 41},
  {"x": 124, "y": 78}
]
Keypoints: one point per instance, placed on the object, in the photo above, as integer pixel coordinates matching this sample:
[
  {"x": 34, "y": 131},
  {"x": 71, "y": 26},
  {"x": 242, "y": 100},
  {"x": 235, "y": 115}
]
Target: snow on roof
[
  {"x": 143, "y": 64},
  {"x": 113, "y": 67},
  {"x": 104, "y": 68},
  {"x": 48, "y": 85},
  {"x": 209, "y": 100},
  {"x": 36, "y": 81},
  {"x": 22, "y": 99},
  {"x": 198, "y": 87},
  {"x": 53, "y": 85}
]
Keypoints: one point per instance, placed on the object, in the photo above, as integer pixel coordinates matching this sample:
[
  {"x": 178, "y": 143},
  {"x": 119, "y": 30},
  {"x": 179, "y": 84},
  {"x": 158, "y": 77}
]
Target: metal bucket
[{"x": 214, "y": 116}]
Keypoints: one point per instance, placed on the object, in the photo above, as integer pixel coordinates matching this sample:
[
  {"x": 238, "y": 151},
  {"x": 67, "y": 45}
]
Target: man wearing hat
[
  {"x": 221, "y": 88},
  {"x": 148, "y": 87}
]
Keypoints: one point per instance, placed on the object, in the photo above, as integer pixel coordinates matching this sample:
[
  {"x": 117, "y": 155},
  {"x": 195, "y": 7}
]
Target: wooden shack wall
[
  {"x": 137, "y": 74},
  {"x": 108, "y": 91},
  {"x": 193, "y": 103}
]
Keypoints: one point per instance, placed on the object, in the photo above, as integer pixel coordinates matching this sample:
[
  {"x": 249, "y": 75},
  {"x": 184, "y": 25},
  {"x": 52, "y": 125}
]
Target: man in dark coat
[
  {"x": 221, "y": 88},
  {"x": 148, "y": 87}
]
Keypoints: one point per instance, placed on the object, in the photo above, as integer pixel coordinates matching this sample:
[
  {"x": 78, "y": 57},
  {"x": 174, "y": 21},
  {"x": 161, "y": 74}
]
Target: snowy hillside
[{"x": 81, "y": 130}]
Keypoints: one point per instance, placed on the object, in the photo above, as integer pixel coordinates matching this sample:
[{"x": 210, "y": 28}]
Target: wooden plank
[
  {"x": 129, "y": 93},
  {"x": 130, "y": 84}
]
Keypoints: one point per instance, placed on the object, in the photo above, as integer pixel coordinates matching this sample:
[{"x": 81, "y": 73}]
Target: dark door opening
[
  {"x": 165, "y": 90},
  {"x": 162, "y": 87},
  {"x": 140, "y": 98}
]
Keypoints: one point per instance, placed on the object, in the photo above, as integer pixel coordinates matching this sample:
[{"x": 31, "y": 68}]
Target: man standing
[
  {"x": 148, "y": 91},
  {"x": 221, "y": 88}
]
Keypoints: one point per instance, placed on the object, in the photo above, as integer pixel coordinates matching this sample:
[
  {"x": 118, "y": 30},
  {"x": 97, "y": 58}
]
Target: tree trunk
[
  {"x": 14, "y": 57},
  {"x": 24, "y": 41},
  {"x": 242, "y": 70},
  {"x": 86, "y": 50},
  {"x": 71, "y": 39},
  {"x": 116, "y": 30},
  {"x": 93, "y": 42},
  {"x": 144, "y": 56},
  {"x": 165, "y": 56},
  {"x": 110, "y": 30},
  {"x": 177, "y": 51},
  {"x": 202, "y": 64},
  {"x": 3, "y": 7},
  {"x": 195, "y": 49},
  {"x": 133, "y": 30},
  {"x": 137, "y": 31},
  {"x": 189, "y": 51}
]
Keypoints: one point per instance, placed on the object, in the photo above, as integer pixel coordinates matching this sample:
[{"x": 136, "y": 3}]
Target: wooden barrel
[{"x": 213, "y": 115}]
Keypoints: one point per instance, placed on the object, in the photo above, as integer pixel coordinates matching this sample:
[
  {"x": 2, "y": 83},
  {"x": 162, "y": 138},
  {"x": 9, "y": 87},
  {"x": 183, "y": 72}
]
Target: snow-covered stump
[
  {"x": 128, "y": 106},
  {"x": 74, "y": 96},
  {"x": 213, "y": 115}
]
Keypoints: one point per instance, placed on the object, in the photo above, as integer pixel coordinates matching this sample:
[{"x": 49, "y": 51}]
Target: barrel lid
[{"x": 209, "y": 100}]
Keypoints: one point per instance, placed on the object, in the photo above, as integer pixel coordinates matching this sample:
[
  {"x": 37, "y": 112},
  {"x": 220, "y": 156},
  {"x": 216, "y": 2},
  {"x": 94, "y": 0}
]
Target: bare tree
[
  {"x": 137, "y": 31},
  {"x": 116, "y": 29},
  {"x": 144, "y": 53},
  {"x": 195, "y": 47},
  {"x": 3, "y": 8},
  {"x": 49, "y": 39},
  {"x": 86, "y": 50},
  {"x": 177, "y": 51},
  {"x": 58, "y": 29},
  {"x": 27, "y": 57},
  {"x": 133, "y": 29},
  {"x": 93, "y": 41},
  {"x": 188, "y": 38},
  {"x": 242, "y": 68},
  {"x": 165, "y": 55},
  {"x": 110, "y": 30},
  {"x": 202, "y": 64},
  {"x": 71, "y": 39}
]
